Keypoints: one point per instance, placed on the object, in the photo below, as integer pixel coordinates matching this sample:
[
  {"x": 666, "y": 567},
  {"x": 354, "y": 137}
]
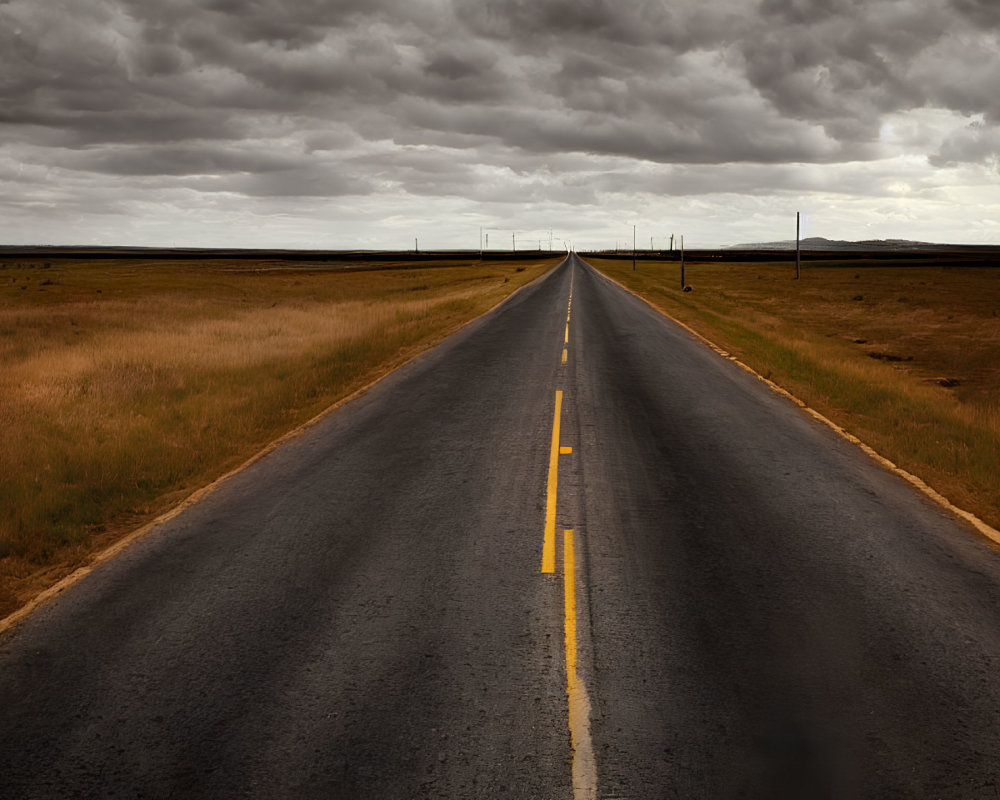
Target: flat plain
[
  {"x": 905, "y": 357},
  {"x": 129, "y": 383},
  {"x": 758, "y": 608}
]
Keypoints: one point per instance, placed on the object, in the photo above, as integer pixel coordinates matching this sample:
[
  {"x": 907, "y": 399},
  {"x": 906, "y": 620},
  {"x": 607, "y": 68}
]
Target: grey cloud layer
[{"x": 271, "y": 97}]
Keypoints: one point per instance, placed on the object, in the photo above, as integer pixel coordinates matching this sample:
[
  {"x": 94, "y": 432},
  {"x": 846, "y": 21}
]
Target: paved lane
[
  {"x": 752, "y": 608},
  {"x": 772, "y": 615}
]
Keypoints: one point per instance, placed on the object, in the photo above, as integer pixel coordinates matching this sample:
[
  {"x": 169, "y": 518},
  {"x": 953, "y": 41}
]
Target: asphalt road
[{"x": 754, "y": 608}]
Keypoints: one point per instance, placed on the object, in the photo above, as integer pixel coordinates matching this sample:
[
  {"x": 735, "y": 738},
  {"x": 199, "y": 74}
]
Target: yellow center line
[
  {"x": 584, "y": 765},
  {"x": 564, "y": 355},
  {"x": 569, "y": 312},
  {"x": 549, "y": 542}
]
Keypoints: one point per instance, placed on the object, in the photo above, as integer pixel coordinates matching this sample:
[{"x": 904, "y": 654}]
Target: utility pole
[
  {"x": 513, "y": 244},
  {"x": 798, "y": 253},
  {"x": 682, "y": 261},
  {"x": 633, "y": 248},
  {"x": 415, "y": 248},
  {"x": 671, "y": 243}
]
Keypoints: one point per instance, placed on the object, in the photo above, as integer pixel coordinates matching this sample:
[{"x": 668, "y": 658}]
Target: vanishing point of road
[{"x": 569, "y": 553}]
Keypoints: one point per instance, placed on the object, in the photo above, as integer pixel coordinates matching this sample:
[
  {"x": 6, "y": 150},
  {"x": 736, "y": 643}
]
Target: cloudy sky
[{"x": 366, "y": 123}]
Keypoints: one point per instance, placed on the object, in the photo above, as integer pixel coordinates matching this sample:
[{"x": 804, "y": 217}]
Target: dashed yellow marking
[
  {"x": 549, "y": 541},
  {"x": 584, "y": 766}
]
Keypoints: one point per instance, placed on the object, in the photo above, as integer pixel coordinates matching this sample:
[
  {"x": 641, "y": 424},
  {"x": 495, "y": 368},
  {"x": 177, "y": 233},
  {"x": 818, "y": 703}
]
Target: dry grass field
[
  {"x": 126, "y": 385},
  {"x": 905, "y": 358}
]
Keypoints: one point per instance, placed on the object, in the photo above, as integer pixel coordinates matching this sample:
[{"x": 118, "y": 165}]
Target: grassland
[
  {"x": 126, "y": 385},
  {"x": 905, "y": 358}
]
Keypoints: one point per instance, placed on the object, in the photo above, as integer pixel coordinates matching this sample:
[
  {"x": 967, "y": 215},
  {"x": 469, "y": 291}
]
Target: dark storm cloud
[
  {"x": 974, "y": 143},
  {"x": 845, "y": 63},
  {"x": 982, "y": 12},
  {"x": 278, "y": 98},
  {"x": 178, "y": 160},
  {"x": 301, "y": 181},
  {"x": 840, "y": 64}
]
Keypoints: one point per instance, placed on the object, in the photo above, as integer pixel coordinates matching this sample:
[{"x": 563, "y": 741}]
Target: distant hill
[{"x": 819, "y": 243}]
